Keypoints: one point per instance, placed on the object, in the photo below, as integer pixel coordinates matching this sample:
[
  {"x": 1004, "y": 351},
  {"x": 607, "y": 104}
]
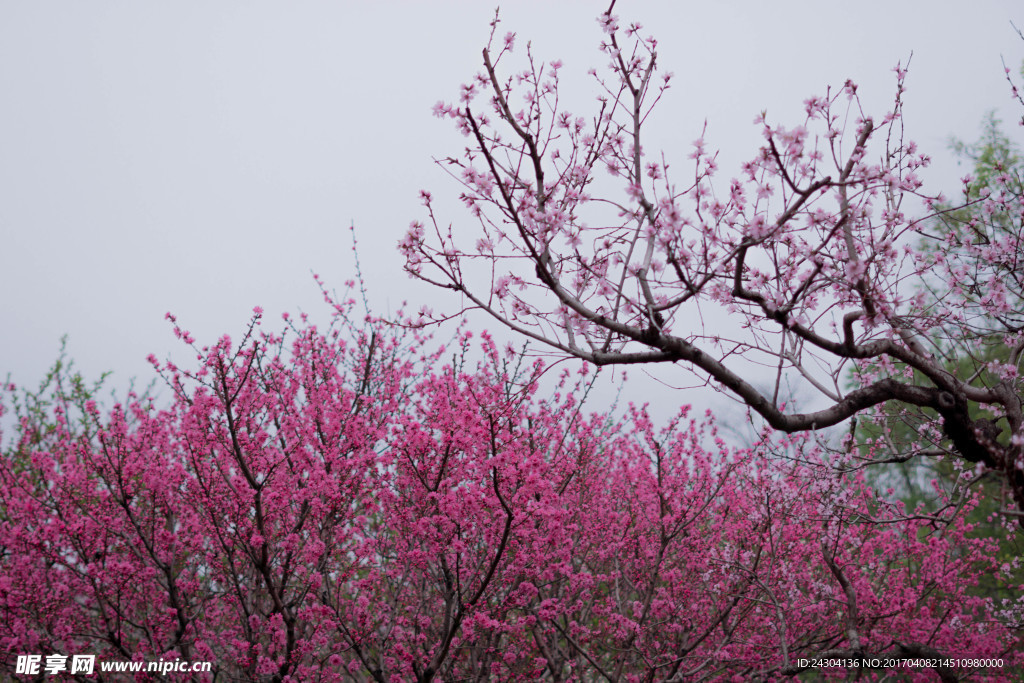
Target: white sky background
[{"x": 204, "y": 157}]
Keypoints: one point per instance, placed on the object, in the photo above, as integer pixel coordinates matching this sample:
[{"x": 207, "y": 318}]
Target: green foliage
[
  {"x": 63, "y": 390},
  {"x": 64, "y": 394},
  {"x": 992, "y": 155}
]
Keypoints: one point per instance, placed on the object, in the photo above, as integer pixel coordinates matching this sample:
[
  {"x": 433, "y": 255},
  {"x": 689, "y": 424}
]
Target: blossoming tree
[
  {"x": 341, "y": 505},
  {"x": 597, "y": 246}
]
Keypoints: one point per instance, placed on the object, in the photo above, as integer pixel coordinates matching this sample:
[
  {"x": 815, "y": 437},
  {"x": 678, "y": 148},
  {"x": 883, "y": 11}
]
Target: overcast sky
[{"x": 206, "y": 157}]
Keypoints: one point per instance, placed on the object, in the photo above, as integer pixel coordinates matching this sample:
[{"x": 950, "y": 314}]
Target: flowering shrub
[{"x": 341, "y": 505}]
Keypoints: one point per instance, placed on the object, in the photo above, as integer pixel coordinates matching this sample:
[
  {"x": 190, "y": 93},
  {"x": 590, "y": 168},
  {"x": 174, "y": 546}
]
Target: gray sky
[{"x": 204, "y": 157}]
